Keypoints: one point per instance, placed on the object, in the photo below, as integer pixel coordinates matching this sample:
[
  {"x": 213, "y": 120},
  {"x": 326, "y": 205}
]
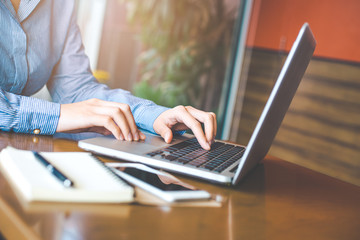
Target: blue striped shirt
[{"x": 41, "y": 44}]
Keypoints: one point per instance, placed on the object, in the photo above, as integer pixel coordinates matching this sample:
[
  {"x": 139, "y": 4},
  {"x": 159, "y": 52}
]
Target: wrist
[{"x": 147, "y": 118}]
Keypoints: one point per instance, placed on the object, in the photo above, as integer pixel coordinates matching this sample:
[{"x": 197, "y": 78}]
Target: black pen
[{"x": 54, "y": 171}]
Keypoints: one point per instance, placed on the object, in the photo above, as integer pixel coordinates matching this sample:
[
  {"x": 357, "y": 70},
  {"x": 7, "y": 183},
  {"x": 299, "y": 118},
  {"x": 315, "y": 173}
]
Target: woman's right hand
[{"x": 99, "y": 116}]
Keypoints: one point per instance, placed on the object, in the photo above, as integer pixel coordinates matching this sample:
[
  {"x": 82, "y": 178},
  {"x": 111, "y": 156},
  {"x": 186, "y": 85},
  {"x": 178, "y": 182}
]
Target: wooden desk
[{"x": 278, "y": 200}]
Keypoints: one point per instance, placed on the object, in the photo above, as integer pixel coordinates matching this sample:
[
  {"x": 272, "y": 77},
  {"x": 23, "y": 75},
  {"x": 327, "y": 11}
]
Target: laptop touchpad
[{"x": 151, "y": 143}]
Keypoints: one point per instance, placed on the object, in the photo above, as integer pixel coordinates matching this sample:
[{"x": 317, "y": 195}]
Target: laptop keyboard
[{"x": 220, "y": 157}]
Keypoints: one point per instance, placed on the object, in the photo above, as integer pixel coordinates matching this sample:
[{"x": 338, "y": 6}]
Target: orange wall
[{"x": 335, "y": 24}]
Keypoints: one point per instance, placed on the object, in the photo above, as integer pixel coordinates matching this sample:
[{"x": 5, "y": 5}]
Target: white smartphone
[{"x": 159, "y": 183}]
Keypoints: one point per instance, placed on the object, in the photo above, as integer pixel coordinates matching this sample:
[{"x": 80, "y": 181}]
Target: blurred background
[{"x": 225, "y": 55}]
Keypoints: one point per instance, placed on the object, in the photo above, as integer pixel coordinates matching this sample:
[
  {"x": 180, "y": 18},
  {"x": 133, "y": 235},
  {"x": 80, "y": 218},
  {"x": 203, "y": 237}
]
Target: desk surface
[{"x": 278, "y": 200}]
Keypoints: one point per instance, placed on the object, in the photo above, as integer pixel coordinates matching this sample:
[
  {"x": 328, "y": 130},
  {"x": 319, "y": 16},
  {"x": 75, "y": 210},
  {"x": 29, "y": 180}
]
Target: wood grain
[{"x": 278, "y": 200}]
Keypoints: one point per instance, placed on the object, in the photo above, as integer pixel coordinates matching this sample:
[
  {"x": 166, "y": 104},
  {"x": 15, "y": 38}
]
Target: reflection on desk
[
  {"x": 27, "y": 141},
  {"x": 278, "y": 200},
  {"x": 77, "y": 136}
]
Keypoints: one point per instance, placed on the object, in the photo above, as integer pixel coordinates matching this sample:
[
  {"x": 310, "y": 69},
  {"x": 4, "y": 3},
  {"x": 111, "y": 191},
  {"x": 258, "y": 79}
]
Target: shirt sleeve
[
  {"x": 73, "y": 81},
  {"x": 25, "y": 114}
]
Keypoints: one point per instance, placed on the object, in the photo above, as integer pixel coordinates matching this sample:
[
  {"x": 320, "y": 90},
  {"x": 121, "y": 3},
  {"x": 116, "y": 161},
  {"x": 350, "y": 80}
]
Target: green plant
[{"x": 185, "y": 50}]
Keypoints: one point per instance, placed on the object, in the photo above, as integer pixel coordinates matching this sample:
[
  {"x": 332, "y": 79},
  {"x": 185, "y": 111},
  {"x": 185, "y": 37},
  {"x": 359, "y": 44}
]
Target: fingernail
[
  {"x": 129, "y": 137},
  {"x": 207, "y": 146},
  {"x": 121, "y": 137},
  {"x": 136, "y": 136},
  {"x": 167, "y": 137},
  {"x": 142, "y": 136}
]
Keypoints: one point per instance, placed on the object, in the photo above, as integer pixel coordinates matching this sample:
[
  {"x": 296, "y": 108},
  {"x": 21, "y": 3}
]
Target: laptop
[{"x": 225, "y": 163}]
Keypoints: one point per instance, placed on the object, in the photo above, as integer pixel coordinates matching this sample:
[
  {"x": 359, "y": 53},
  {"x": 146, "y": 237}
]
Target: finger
[
  {"x": 180, "y": 127},
  {"x": 209, "y": 120},
  {"x": 164, "y": 131},
  {"x": 161, "y": 127},
  {"x": 131, "y": 121},
  {"x": 122, "y": 122},
  {"x": 131, "y": 131},
  {"x": 118, "y": 118},
  {"x": 184, "y": 116},
  {"x": 108, "y": 123},
  {"x": 142, "y": 136},
  {"x": 215, "y": 124}
]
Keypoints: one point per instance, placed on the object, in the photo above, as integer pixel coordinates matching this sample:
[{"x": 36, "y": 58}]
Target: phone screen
[{"x": 162, "y": 182}]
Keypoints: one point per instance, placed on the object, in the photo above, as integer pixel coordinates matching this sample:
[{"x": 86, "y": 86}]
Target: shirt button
[{"x": 36, "y": 131}]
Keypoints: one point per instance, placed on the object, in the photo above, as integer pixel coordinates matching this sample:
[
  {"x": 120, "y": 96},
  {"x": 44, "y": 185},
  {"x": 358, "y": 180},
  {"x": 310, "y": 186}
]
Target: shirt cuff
[
  {"x": 38, "y": 116},
  {"x": 145, "y": 119}
]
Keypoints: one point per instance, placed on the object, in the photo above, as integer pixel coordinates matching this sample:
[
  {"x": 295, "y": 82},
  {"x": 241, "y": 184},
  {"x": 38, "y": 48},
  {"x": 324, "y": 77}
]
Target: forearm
[{"x": 69, "y": 91}]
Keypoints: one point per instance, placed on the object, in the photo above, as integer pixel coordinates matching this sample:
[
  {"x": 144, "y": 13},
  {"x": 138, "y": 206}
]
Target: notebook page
[
  {"x": 93, "y": 182},
  {"x": 86, "y": 171}
]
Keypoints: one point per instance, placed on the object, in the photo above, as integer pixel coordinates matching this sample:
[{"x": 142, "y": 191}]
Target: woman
[{"x": 40, "y": 44}]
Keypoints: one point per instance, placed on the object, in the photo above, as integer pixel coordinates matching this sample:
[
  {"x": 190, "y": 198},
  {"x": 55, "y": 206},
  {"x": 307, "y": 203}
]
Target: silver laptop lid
[{"x": 278, "y": 102}]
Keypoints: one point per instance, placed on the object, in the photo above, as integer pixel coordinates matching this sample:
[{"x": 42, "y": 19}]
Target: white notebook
[{"x": 93, "y": 181}]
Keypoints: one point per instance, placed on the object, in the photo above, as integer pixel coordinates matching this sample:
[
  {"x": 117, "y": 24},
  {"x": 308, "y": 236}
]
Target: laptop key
[
  {"x": 183, "y": 144},
  {"x": 191, "y": 153},
  {"x": 182, "y": 160},
  {"x": 170, "y": 157},
  {"x": 216, "y": 145},
  {"x": 155, "y": 153},
  {"x": 230, "y": 161},
  {"x": 224, "y": 166},
  {"x": 208, "y": 167}
]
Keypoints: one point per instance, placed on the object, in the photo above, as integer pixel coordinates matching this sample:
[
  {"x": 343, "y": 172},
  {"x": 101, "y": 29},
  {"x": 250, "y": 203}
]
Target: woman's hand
[
  {"x": 99, "y": 116},
  {"x": 182, "y": 118}
]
